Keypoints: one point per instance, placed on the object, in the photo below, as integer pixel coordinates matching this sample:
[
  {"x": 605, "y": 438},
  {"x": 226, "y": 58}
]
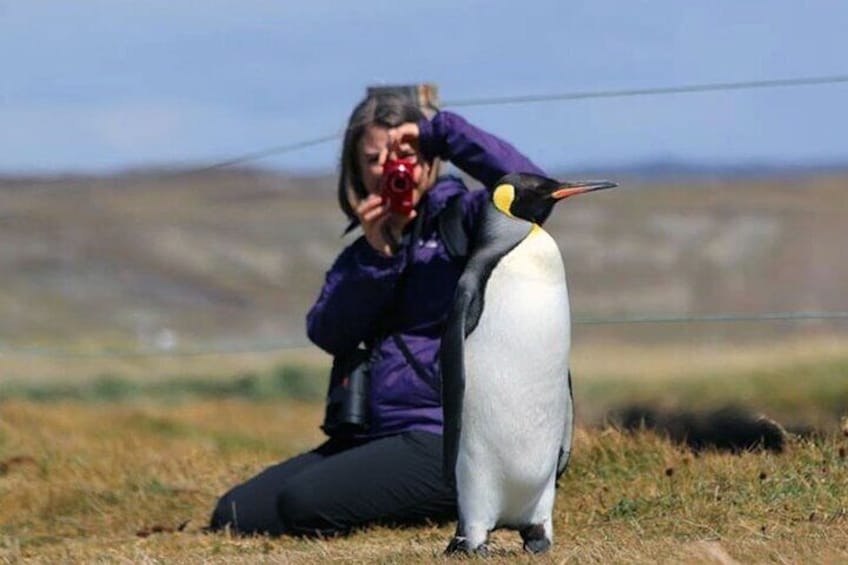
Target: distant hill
[{"x": 163, "y": 259}]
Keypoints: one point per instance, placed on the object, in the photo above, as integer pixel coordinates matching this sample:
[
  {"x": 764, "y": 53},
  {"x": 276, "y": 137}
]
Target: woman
[{"x": 392, "y": 288}]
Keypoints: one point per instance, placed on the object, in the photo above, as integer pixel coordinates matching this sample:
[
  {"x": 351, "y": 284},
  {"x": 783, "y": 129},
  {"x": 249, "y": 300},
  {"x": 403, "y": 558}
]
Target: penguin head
[{"x": 532, "y": 197}]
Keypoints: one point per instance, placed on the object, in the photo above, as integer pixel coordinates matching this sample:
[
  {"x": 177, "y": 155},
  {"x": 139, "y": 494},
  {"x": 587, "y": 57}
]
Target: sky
[{"x": 105, "y": 85}]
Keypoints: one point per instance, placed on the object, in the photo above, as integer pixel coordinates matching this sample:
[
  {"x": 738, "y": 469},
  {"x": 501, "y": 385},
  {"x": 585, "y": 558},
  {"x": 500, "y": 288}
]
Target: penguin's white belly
[{"x": 516, "y": 384}]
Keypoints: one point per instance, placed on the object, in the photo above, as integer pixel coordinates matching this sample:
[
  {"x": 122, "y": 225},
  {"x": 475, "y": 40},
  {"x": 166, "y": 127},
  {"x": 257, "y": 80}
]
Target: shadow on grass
[{"x": 730, "y": 428}]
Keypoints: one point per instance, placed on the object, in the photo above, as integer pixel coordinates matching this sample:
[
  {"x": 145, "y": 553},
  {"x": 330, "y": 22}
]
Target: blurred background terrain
[
  {"x": 164, "y": 261},
  {"x": 200, "y": 281}
]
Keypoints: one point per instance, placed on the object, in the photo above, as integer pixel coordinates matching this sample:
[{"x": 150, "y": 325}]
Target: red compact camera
[{"x": 398, "y": 184}]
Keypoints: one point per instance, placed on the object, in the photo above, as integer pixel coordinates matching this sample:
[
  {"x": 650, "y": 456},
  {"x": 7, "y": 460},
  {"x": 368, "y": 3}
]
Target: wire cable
[
  {"x": 682, "y": 89},
  {"x": 264, "y": 153},
  {"x": 108, "y": 353},
  {"x": 769, "y": 316},
  {"x": 535, "y": 98},
  {"x": 274, "y": 346},
  {"x": 530, "y": 99}
]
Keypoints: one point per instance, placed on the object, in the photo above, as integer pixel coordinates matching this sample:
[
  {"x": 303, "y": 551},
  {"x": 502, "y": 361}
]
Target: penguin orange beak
[{"x": 567, "y": 189}]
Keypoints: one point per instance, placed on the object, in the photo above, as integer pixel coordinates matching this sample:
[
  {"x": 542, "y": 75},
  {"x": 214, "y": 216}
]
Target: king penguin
[{"x": 506, "y": 385}]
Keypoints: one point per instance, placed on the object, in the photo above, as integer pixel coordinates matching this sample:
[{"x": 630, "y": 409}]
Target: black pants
[{"x": 343, "y": 484}]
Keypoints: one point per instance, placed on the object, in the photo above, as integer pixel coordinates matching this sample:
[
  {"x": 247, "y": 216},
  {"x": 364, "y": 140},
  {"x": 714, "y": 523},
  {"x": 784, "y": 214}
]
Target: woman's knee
[
  {"x": 302, "y": 512},
  {"x": 222, "y": 515},
  {"x": 245, "y": 513}
]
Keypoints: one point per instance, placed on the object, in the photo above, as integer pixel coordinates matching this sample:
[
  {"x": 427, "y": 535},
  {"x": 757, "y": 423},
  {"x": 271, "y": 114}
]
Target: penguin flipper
[
  {"x": 452, "y": 362},
  {"x": 496, "y": 235},
  {"x": 568, "y": 433}
]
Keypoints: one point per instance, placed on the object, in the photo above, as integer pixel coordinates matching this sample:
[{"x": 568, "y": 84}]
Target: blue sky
[{"x": 103, "y": 85}]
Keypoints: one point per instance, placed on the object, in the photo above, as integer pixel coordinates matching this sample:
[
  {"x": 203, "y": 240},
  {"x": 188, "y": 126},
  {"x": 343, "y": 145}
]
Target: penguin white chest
[
  {"x": 524, "y": 332},
  {"x": 516, "y": 389}
]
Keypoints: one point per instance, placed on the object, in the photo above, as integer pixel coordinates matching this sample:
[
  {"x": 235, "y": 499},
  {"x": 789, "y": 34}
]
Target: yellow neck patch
[{"x": 503, "y": 196}]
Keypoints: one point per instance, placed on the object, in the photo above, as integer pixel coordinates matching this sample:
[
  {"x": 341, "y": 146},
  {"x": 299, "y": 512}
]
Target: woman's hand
[
  {"x": 404, "y": 140},
  {"x": 383, "y": 229}
]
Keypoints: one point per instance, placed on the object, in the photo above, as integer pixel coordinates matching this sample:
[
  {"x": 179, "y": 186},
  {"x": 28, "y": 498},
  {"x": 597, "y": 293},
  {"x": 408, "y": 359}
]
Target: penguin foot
[
  {"x": 459, "y": 546},
  {"x": 537, "y": 546},
  {"x": 535, "y": 539},
  {"x": 456, "y": 545}
]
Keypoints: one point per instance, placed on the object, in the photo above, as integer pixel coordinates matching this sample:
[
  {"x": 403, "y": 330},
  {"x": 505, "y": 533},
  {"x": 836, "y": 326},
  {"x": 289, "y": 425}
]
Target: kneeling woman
[{"x": 393, "y": 288}]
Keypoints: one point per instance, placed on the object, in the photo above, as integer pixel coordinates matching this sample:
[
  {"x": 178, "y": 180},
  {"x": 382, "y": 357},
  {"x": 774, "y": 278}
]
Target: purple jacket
[{"x": 360, "y": 286}]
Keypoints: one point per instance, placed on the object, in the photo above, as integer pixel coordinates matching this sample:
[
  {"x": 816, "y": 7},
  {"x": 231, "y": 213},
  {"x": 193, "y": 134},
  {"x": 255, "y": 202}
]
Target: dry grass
[
  {"x": 46, "y": 370},
  {"x": 87, "y": 481}
]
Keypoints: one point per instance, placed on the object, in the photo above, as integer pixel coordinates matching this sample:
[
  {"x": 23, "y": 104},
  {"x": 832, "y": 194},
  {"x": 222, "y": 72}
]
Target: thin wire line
[
  {"x": 527, "y": 99},
  {"x": 263, "y": 153},
  {"x": 769, "y": 316},
  {"x": 246, "y": 349},
  {"x": 271, "y": 347},
  {"x": 682, "y": 89},
  {"x": 176, "y": 174},
  {"x": 535, "y": 98}
]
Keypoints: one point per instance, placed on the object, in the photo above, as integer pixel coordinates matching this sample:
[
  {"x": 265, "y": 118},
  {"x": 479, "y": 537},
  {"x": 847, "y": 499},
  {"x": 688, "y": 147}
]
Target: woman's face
[{"x": 379, "y": 145}]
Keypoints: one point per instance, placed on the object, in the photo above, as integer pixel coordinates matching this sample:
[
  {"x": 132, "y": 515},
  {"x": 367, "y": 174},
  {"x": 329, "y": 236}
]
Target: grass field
[{"x": 128, "y": 472}]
